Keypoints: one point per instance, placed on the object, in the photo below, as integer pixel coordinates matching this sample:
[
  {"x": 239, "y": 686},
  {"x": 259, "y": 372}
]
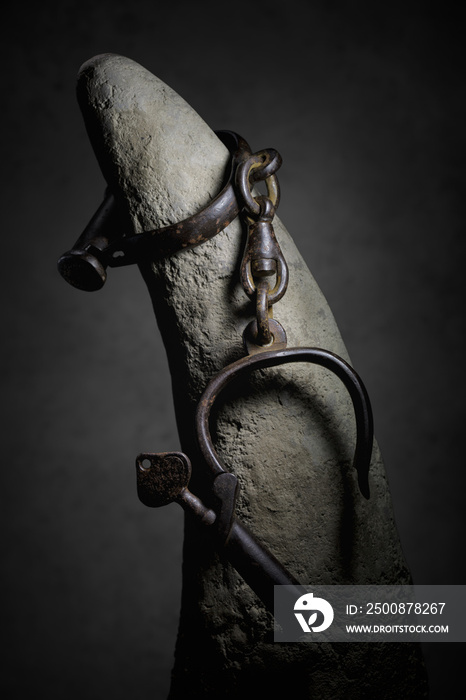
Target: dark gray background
[{"x": 366, "y": 104}]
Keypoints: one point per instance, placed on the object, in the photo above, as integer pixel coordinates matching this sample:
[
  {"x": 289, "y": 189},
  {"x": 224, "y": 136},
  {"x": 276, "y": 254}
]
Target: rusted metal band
[
  {"x": 324, "y": 358},
  {"x": 104, "y": 243},
  {"x": 190, "y": 232}
]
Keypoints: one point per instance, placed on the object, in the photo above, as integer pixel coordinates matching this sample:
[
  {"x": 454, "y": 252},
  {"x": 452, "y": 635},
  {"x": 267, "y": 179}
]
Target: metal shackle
[{"x": 273, "y": 358}]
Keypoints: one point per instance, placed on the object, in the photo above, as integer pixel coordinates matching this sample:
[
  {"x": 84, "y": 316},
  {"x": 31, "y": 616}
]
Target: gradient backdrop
[{"x": 366, "y": 104}]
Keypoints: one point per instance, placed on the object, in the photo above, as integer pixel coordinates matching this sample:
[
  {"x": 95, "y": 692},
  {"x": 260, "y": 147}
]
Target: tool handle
[{"x": 259, "y": 568}]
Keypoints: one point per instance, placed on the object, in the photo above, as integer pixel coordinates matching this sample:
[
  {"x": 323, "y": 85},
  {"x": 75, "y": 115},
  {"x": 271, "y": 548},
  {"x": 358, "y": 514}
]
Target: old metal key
[{"x": 163, "y": 478}]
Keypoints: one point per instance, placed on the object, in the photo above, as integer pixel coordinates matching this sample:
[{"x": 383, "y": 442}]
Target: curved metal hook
[{"x": 324, "y": 358}]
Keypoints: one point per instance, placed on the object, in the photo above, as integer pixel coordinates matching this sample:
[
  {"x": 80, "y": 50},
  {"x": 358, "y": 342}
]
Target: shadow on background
[{"x": 366, "y": 104}]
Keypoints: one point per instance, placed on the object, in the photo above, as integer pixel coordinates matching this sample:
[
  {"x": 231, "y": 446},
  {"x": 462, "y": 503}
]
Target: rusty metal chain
[{"x": 262, "y": 259}]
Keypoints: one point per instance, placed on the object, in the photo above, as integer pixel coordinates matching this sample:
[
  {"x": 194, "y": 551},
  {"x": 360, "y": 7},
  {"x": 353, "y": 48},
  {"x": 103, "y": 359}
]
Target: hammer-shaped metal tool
[{"x": 85, "y": 265}]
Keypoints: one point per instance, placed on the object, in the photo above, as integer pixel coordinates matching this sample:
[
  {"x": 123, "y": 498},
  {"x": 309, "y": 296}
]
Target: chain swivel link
[{"x": 262, "y": 257}]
